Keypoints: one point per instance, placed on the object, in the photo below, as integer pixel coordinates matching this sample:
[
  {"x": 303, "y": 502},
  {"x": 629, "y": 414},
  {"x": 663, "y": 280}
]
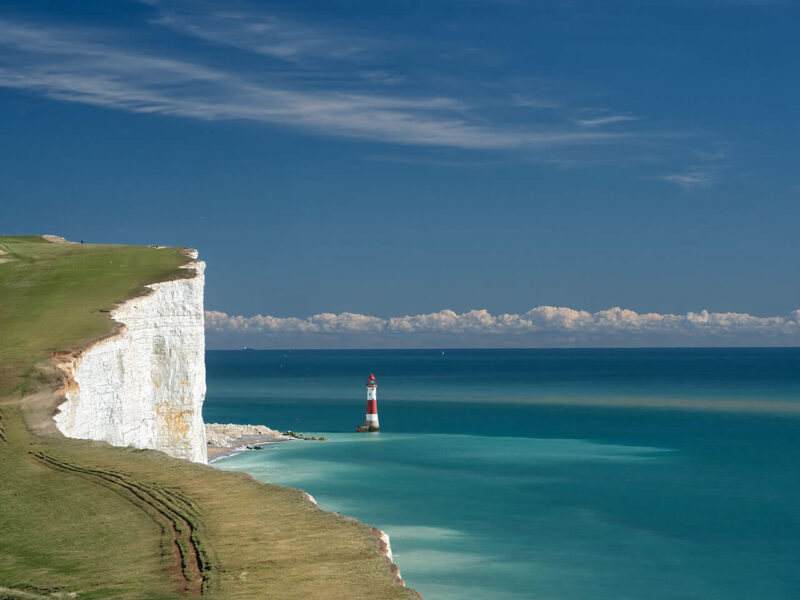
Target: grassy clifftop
[
  {"x": 53, "y": 295},
  {"x": 84, "y": 518}
]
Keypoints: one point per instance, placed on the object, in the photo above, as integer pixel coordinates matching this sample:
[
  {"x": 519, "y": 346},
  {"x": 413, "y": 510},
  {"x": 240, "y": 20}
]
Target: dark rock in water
[
  {"x": 323, "y": 439},
  {"x": 362, "y": 428}
]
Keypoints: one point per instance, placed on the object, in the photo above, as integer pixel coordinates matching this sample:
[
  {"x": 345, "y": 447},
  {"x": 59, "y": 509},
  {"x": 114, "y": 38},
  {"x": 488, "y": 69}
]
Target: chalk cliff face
[{"x": 144, "y": 386}]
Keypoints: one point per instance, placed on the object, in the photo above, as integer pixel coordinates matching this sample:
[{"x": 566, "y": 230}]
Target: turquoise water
[{"x": 552, "y": 474}]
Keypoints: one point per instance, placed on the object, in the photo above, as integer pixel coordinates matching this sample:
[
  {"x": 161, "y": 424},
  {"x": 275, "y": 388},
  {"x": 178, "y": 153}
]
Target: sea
[{"x": 570, "y": 474}]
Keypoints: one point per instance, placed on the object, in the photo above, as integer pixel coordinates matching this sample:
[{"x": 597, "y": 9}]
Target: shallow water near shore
[{"x": 552, "y": 474}]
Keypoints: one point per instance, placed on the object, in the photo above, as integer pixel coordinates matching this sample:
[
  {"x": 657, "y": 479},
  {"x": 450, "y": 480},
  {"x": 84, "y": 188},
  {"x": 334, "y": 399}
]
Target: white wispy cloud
[
  {"x": 528, "y": 101},
  {"x": 87, "y": 66},
  {"x": 692, "y": 180},
  {"x": 259, "y": 32},
  {"x": 704, "y": 171},
  {"x": 540, "y": 325},
  {"x": 383, "y": 77},
  {"x": 607, "y": 120}
]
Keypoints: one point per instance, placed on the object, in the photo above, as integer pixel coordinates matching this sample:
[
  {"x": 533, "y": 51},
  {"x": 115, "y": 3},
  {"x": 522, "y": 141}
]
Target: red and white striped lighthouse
[{"x": 371, "y": 423}]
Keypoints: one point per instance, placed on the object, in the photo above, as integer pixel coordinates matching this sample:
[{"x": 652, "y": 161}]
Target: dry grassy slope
[{"x": 84, "y": 518}]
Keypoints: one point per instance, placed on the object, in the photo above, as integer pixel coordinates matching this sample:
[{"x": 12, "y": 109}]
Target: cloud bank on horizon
[{"x": 542, "y": 326}]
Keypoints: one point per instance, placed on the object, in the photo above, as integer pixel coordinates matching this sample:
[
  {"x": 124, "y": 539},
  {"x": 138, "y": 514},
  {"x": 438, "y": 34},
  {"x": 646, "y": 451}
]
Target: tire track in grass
[{"x": 175, "y": 515}]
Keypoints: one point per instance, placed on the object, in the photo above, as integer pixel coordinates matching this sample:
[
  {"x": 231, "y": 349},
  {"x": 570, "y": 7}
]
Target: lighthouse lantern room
[{"x": 371, "y": 422}]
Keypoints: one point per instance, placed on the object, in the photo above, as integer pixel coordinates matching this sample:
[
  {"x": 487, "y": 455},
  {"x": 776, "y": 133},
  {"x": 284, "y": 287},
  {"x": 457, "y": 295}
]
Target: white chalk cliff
[{"x": 145, "y": 385}]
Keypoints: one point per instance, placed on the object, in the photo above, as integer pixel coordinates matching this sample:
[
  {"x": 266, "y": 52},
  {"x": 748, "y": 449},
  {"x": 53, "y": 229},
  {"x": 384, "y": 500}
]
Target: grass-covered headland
[{"x": 81, "y": 519}]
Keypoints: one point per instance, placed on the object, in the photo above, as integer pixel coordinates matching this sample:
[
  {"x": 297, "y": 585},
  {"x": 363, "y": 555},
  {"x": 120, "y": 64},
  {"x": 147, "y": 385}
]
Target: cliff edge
[
  {"x": 83, "y": 518},
  {"x": 144, "y": 386}
]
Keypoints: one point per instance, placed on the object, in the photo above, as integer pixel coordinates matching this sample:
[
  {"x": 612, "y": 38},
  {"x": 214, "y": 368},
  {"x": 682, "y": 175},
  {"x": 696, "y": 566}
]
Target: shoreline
[
  {"x": 243, "y": 445},
  {"x": 227, "y": 439}
]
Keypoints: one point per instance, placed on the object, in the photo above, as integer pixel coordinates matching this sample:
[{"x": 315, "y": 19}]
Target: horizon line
[{"x": 445, "y": 348}]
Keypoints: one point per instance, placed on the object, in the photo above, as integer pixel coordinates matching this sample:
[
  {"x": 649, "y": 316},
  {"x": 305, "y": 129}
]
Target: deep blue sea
[{"x": 625, "y": 474}]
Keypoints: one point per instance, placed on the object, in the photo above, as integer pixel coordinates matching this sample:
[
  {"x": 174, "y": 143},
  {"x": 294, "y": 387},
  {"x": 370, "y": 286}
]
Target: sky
[{"x": 423, "y": 174}]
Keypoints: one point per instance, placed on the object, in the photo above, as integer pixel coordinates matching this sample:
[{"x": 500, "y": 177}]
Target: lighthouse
[{"x": 371, "y": 423}]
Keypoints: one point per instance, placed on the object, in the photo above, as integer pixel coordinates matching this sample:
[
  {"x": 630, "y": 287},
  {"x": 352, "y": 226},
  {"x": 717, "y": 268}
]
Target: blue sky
[{"x": 387, "y": 159}]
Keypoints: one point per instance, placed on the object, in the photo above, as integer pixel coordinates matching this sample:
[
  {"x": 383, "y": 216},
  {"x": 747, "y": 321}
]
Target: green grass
[
  {"x": 84, "y": 518},
  {"x": 52, "y": 295}
]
